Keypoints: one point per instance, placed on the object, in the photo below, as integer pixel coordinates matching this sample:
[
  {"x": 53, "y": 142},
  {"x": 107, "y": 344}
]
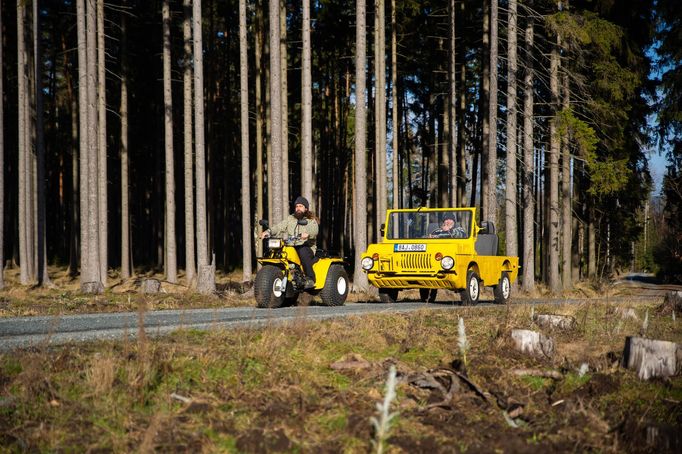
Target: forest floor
[{"x": 313, "y": 386}]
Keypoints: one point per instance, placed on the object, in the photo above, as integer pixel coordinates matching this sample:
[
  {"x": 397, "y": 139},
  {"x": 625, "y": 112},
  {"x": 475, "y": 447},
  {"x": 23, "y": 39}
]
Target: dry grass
[{"x": 273, "y": 389}]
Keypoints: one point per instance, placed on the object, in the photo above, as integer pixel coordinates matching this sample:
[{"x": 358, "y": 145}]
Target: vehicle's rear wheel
[
  {"x": 336, "y": 286},
  {"x": 428, "y": 295},
  {"x": 268, "y": 287},
  {"x": 388, "y": 295},
  {"x": 502, "y": 290},
  {"x": 472, "y": 291}
]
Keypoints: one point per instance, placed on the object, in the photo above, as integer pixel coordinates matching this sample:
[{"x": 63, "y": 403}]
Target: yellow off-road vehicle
[{"x": 438, "y": 248}]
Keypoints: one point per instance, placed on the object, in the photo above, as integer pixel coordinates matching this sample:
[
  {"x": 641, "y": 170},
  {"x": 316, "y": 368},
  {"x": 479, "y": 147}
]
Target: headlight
[
  {"x": 447, "y": 262},
  {"x": 367, "y": 263},
  {"x": 274, "y": 243}
]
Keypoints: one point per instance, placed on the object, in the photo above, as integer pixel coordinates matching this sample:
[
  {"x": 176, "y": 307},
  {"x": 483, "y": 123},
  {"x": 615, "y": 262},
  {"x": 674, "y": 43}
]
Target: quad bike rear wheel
[{"x": 336, "y": 286}]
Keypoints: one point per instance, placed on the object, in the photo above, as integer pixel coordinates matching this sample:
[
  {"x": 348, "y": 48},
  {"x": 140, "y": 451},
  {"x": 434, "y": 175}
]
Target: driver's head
[
  {"x": 448, "y": 222},
  {"x": 301, "y": 206}
]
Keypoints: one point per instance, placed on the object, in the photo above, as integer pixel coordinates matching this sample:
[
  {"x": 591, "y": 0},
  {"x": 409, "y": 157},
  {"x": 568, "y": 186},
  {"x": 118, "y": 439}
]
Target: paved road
[{"x": 22, "y": 332}]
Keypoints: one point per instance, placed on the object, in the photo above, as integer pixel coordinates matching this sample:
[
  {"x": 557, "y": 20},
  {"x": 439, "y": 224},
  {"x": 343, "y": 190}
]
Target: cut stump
[
  {"x": 671, "y": 303},
  {"x": 652, "y": 358},
  {"x": 150, "y": 286},
  {"x": 92, "y": 288},
  {"x": 532, "y": 342},
  {"x": 206, "y": 279},
  {"x": 562, "y": 322}
]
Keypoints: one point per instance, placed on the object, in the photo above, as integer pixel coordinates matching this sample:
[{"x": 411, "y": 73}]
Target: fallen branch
[{"x": 538, "y": 373}]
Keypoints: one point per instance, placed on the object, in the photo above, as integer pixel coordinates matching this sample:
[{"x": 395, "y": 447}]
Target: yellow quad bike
[
  {"x": 415, "y": 253},
  {"x": 281, "y": 278}
]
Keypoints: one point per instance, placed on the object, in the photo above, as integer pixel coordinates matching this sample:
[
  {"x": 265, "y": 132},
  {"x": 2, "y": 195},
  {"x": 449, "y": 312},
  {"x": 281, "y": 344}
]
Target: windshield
[{"x": 428, "y": 224}]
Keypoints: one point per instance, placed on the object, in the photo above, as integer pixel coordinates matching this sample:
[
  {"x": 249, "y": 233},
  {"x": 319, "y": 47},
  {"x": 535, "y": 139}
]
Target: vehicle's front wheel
[
  {"x": 268, "y": 288},
  {"x": 388, "y": 295},
  {"x": 472, "y": 291},
  {"x": 502, "y": 290},
  {"x": 336, "y": 286}
]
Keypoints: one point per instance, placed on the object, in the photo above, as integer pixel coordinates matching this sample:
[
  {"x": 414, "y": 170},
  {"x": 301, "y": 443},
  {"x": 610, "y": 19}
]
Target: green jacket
[{"x": 290, "y": 227}]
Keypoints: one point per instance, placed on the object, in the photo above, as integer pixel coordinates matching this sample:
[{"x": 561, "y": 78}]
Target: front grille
[{"x": 415, "y": 261}]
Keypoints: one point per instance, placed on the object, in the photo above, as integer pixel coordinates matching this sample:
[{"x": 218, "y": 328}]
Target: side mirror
[
  {"x": 382, "y": 229},
  {"x": 263, "y": 223},
  {"x": 302, "y": 222}
]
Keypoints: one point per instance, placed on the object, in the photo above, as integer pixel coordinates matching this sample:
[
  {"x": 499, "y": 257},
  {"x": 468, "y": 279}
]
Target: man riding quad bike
[{"x": 291, "y": 264}]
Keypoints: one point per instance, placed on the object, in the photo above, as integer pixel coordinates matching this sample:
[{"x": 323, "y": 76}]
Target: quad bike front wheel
[
  {"x": 336, "y": 286},
  {"x": 268, "y": 288}
]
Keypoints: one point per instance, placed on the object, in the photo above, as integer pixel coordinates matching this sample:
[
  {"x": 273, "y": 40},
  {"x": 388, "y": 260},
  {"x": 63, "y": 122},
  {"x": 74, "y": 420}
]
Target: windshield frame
[{"x": 422, "y": 224}]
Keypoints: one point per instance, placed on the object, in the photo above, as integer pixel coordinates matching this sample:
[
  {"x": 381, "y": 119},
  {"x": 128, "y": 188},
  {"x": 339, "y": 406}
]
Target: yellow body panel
[
  {"x": 404, "y": 270},
  {"x": 289, "y": 255}
]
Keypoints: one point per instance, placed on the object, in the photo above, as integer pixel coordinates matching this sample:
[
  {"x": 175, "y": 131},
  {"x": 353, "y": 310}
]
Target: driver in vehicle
[
  {"x": 448, "y": 229},
  {"x": 305, "y": 245}
]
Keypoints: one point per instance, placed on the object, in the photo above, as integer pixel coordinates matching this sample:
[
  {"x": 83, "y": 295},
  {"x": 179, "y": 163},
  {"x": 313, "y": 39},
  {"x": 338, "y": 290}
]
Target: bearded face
[{"x": 299, "y": 211}]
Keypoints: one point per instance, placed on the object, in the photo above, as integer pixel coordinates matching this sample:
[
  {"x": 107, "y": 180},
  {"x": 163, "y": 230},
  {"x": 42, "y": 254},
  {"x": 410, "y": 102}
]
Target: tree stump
[
  {"x": 626, "y": 313},
  {"x": 652, "y": 358},
  {"x": 150, "y": 286},
  {"x": 562, "y": 322},
  {"x": 92, "y": 288},
  {"x": 671, "y": 303},
  {"x": 206, "y": 278},
  {"x": 532, "y": 342}
]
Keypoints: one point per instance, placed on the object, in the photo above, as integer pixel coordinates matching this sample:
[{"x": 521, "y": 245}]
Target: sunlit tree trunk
[
  {"x": 93, "y": 149},
  {"x": 528, "y": 264},
  {"x": 102, "y": 145},
  {"x": 125, "y": 215},
  {"x": 260, "y": 114},
  {"x": 284, "y": 93},
  {"x": 170, "y": 261},
  {"x": 360, "y": 191},
  {"x": 188, "y": 140},
  {"x": 246, "y": 180},
  {"x": 275, "y": 166},
  {"x": 591, "y": 242},
  {"x": 306, "y": 106},
  {"x": 566, "y": 199},
  {"x": 86, "y": 267},
  {"x": 510, "y": 186},
  {"x": 395, "y": 117},
  {"x": 490, "y": 206},
  {"x": 204, "y": 267},
  {"x": 380, "y": 113},
  {"x": 484, "y": 103}
]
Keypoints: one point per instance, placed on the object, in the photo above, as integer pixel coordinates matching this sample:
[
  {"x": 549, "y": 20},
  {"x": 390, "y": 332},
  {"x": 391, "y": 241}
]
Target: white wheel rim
[
  {"x": 506, "y": 288},
  {"x": 341, "y": 285},
  {"x": 473, "y": 288},
  {"x": 277, "y": 287}
]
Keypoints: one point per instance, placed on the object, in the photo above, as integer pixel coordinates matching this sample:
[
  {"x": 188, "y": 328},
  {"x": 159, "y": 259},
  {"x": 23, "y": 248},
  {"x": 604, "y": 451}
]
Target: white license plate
[{"x": 409, "y": 248}]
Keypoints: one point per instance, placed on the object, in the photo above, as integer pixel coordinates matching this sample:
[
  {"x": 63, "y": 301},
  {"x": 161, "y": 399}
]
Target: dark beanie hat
[{"x": 303, "y": 201}]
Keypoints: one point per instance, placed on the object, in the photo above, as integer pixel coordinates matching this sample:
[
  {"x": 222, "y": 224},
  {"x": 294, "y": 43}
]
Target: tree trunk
[
  {"x": 190, "y": 268},
  {"x": 24, "y": 275},
  {"x": 452, "y": 105},
  {"x": 170, "y": 262},
  {"x": 284, "y": 93},
  {"x": 360, "y": 188},
  {"x": 102, "y": 148},
  {"x": 2, "y": 165},
  {"x": 395, "y": 117},
  {"x": 566, "y": 203},
  {"x": 275, "y": 164},
  {"x": 84, "y": 158},
  {"x": 529, "y": 167},
  {"x": 461, "y": 129},
  {"x": 260, "y": 114},
  {"x": 307, "y": 109},
  {"x": 553, "y": 237},
  {"x": 125, "y": 216},
  {"x": 591, "y": 242},
  {"x": 202, "y": 240},
  {"x": 380, "y": 113},
  {"x": 490, "y": 206},
  {"x": 511, "y": 233},
  {"x": 246, "y": 168},
  {"x": 484, "y": 103},
  {"x": 93, "y": 149}
]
